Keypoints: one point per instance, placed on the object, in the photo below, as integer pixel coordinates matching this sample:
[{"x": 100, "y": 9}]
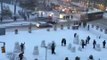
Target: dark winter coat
[{"x": 94, "y": 42}]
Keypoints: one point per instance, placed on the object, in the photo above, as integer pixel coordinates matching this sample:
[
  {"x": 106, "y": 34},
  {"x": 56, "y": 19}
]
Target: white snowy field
[{"x": 35, "y": 38}]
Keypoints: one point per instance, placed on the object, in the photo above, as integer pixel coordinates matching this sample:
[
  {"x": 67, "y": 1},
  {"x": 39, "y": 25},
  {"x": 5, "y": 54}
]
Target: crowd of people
[{"x": 83, "y": 43}]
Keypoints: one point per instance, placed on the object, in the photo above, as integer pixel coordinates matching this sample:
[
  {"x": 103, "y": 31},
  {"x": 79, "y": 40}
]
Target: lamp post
[
  {"x": 46, "y": 53},
  {"x": 15, "y": 3}
]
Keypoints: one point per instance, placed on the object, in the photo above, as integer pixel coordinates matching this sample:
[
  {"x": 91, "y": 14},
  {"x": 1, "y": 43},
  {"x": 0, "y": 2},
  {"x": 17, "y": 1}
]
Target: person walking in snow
[
  {"x": 77, "y": 58},
  {"x": 66, "y": 58},
  {"x": 63, "y": 42},
  {"x": 88, "y": 39},
  {"x": 91, "y": 57},
  {"x": 82, "y": 43},
  {"x": 53, "y": 47},
  {"x": 75, "y": 34},
  {"x": 88, "y": 27},
  {"x": 104, "y": 43},
  {"x": 16, "y": 31},
  {"x": 94, "y": 43},
  {"x": 22, "y": 47},
  {"x": 21, "y": 56}
]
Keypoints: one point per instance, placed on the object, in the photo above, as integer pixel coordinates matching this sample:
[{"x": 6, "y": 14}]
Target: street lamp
[
  {"x": 15, "y": 3},
  {"x": 46, "y": 52}
]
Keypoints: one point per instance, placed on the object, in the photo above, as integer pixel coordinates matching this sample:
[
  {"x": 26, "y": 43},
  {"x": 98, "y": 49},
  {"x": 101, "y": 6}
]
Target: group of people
[
  {"x": 85, "y": 42},
  {"x": 78, "y": 58},
  {"x": 63, "y": 43},
  {"x": 53, "y": 47}
]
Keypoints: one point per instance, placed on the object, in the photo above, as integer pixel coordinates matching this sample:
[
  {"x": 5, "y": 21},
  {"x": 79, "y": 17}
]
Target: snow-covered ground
[
  {"x": 35, "y": 38},
  {"x": 23, "y": 23}
]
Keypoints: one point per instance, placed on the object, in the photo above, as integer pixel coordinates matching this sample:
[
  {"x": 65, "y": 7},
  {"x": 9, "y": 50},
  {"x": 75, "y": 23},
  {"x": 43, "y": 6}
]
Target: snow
[
  {"x": 17, "y": 24},
  {"x": 37, "y": 36}
]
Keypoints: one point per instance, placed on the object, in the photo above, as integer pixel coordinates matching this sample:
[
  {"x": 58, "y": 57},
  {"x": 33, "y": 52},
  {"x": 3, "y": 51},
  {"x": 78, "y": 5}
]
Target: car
[
  {"x": 43, "y": 25},
  {"x": 52, "y": 22}
]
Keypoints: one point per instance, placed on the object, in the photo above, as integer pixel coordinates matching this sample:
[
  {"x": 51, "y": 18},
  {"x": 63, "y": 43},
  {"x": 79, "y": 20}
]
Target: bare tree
[
  {"x": 1, "y": 10},
  {"x": 15, "y": 3}
]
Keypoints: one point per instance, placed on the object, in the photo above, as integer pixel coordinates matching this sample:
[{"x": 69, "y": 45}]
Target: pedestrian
[
  {"x": 16, "y": 31},
  {"x": 88, "y": 27},
  {"x": 22, "y": 47},
  {"x": 15, "y": 18},
  {"x": 66, "y": 58},
  {"x": 62, "y": 42},
  {"x": 83, "y": 44},
  {"x": 71, "y": 16},
  {"x": 53, "y": 47},
  {"x": 88, "y": 39},
  {"x": 21, "y": 56},
  {"x": 104, "y": 43},
  {"x": 77, "y": 58},
  {"x": 94, "y": 43},
  {"x": 75, "y": 34},
  {"x": 99, "y": 37},
  {"x": 91, "y": 57},
  {"x": 62, "y": 26}
]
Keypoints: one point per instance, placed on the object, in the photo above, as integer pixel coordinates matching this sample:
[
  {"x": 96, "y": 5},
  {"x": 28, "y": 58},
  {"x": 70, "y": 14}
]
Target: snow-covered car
[{"x": 43, "y": 24}]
